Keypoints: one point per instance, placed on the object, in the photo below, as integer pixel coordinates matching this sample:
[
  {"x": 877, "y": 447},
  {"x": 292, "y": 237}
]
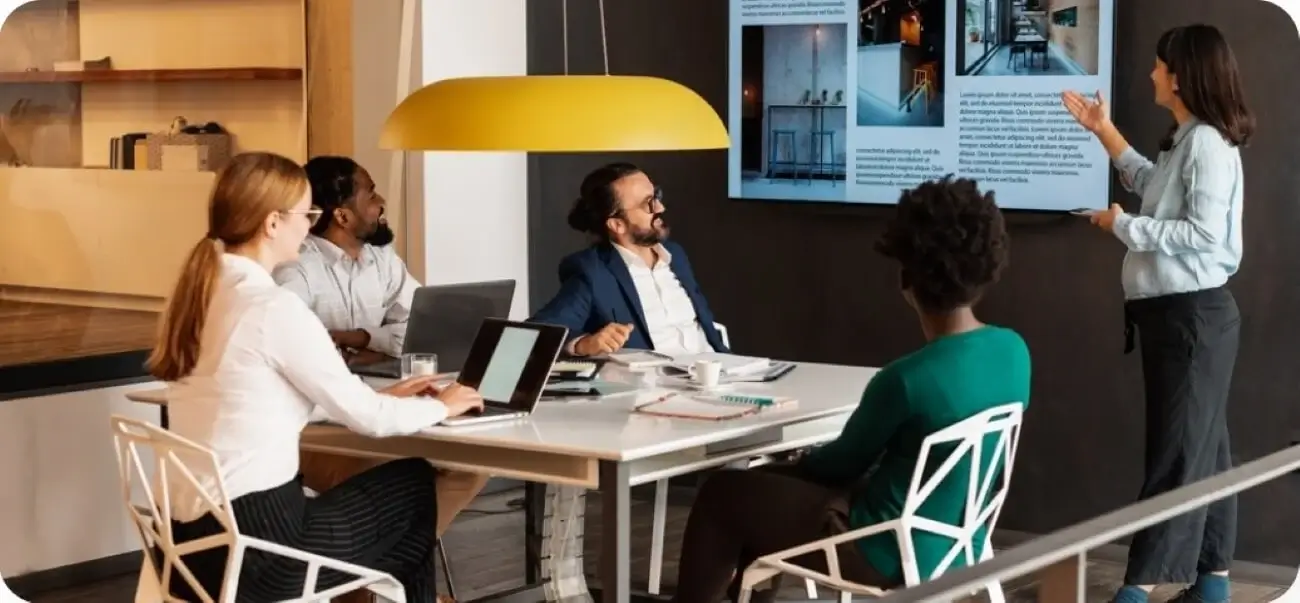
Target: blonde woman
[{"x": 249, "y": 364}]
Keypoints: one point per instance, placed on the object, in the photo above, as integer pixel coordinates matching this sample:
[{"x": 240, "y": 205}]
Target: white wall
[
  {"x": 60, "y": 502},
  {"x": 476, "y": 204}
]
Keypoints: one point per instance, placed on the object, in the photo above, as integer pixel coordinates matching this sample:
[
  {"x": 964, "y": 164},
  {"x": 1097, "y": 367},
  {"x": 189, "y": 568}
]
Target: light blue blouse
[{"x": 1187, "y": 236}]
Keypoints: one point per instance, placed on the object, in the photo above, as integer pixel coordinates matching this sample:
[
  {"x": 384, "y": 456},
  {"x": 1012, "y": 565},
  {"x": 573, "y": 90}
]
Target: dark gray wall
[{"x": 800, "y": 281}]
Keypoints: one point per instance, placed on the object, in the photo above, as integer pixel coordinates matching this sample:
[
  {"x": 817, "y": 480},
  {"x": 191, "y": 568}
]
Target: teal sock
[
  {"x": 1130, "y": 594},
  {"x": 1212, "y": 588}
]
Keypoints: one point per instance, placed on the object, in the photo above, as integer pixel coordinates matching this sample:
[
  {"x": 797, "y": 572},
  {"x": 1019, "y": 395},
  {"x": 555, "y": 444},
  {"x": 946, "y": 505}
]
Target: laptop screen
[
  {"x": 445, "y": 318},
  {"x": 510, "y": 362}
]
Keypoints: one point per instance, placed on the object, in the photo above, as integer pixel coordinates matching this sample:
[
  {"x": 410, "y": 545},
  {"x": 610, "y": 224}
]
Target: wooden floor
[
  {"x": 43, "y": 332},
  {"x": 486, "y": 547}
]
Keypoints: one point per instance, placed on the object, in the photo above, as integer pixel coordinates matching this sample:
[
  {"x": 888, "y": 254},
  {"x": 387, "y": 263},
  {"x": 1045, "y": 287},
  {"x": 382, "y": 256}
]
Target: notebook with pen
[{"x": 713, "y": 408}]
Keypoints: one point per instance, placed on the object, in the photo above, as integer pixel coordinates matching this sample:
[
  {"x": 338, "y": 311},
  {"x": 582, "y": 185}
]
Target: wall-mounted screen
[{"x": 853, "y": 101}]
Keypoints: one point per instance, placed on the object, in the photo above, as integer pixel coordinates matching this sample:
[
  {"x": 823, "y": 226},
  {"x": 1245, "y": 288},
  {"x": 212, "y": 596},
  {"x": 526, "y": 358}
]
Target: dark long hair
[{"x": 1208, "y": 82}]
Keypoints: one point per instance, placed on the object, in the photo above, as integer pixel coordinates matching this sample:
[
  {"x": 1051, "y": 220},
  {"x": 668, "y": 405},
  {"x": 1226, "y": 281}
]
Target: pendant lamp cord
[
  {"x": 604, "y": 41},
  {"x": 604, "y": 44}
]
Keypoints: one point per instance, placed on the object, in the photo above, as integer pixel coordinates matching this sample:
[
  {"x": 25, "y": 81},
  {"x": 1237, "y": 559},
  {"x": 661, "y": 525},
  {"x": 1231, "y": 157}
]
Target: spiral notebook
[{"x": 713, "y": 408}]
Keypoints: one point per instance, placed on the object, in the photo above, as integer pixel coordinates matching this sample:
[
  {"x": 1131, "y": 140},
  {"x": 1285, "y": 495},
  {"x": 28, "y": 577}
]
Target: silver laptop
[
  {"x": 509, "y": 364},
  {"x": 444, "y": 320}
]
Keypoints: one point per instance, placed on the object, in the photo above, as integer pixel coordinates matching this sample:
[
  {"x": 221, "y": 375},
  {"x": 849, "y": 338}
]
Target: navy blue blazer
[{"x": 596, "y": 289}]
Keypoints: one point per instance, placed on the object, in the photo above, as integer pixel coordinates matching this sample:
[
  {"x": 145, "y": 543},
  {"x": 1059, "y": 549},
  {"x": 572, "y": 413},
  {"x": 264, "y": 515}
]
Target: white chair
[
  {"x": 985, "y": 494},
  {"x": 660, "y": 520},
  {"x": 173, "y": 457}
]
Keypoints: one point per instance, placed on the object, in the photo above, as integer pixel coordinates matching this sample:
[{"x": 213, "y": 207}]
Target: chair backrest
[
  {"x": 722, "y": 332},
  {"x": 985, "y": 492},
  {"x": 174, "y": 461}
]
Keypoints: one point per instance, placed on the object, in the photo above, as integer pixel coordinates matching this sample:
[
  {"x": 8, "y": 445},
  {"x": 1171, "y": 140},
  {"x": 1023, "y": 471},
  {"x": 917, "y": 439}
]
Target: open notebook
[{"x": 713, "y": 408}]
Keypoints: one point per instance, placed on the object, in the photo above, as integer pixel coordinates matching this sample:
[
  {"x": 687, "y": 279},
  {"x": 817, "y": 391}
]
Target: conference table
[{"x": 603, "y": 444}]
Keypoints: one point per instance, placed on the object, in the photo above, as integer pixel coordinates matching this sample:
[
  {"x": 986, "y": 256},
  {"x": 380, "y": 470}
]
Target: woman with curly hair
[{"x": 950, "y": 243}]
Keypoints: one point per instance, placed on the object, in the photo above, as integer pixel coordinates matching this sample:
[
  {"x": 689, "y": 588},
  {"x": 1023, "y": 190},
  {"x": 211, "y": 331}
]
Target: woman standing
[{"x": 1183, "y": 247}]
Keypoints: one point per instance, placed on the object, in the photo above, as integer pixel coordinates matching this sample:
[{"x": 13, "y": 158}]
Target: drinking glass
[{"x": 417, "y": 365}]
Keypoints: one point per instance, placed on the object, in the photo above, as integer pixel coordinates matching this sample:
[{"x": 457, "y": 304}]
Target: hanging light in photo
[{"x": 555, "y": 113}]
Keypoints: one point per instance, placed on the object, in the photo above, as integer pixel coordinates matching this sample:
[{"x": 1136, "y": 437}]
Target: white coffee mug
[{"x": 708, "y": 373}]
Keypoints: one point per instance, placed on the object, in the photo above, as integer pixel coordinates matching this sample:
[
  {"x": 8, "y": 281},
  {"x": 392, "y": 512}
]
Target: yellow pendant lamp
[{"x": 555, "y": 113}]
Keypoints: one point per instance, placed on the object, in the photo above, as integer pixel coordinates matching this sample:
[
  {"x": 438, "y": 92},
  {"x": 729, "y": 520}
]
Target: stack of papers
[
  {"x": 582, "y": 369},
  {"x": 732, "y": 365}
]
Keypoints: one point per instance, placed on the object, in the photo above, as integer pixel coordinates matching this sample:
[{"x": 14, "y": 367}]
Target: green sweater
[{"x": 948, "y": 380}]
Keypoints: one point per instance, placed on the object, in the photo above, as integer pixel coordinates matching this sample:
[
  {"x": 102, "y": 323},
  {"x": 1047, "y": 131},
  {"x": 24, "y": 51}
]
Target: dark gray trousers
[{"x": 1189, "y": 346}]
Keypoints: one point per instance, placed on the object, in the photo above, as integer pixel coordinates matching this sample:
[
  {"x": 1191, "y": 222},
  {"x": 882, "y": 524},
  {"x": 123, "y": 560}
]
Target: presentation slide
[{"x": 854, "y": 100}]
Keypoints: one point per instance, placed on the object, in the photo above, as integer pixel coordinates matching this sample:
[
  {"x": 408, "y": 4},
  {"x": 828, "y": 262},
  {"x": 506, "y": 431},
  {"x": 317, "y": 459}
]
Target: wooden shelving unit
[
  {"x": 216, "y": 74},
  {"x": 89, "y": 240}
]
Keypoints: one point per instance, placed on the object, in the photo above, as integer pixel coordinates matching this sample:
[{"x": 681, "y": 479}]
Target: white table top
[{"x": 608, "y": 429}]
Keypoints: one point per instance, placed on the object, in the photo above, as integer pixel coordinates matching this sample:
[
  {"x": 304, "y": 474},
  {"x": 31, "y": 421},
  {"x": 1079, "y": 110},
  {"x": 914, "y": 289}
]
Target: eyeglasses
[
  {"x": 648, "y": 205},
  {"x": 312, "y": 214}
]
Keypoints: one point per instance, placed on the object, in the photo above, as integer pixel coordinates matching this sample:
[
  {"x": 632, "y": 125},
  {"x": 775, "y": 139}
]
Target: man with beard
[
  {"x": 632, "y": 287},
  {"x": 347, "y": 271},
  {"x": 353, "y": 280}
]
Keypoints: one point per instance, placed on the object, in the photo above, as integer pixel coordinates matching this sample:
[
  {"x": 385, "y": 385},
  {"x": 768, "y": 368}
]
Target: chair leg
[
  {"x": 995, "y": 592},
  {"x": 657, "y": 536},
  {"x": 446, "y": 568},
  {"x": 811, "y": 587}
]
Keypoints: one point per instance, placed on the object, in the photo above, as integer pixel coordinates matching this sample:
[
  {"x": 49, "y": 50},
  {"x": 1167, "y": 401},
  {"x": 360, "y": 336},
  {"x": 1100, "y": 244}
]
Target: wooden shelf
[{"x": 154, "y": 75}]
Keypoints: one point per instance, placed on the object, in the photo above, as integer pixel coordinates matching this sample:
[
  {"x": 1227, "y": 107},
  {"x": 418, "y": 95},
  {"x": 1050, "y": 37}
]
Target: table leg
[
  {"x": 534, "y": 509},
  {"x": 616, "y": 533},
  {"x": 562, "y": 569},
  {"x": 548, "y": 544}
]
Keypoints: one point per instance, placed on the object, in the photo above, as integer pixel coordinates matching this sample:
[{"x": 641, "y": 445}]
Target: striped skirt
[{"x": 382, "y": 518}]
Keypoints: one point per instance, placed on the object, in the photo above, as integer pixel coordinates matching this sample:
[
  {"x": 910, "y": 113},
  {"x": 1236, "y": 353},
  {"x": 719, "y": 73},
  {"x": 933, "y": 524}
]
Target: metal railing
[{"x": 1061, "y": 557}]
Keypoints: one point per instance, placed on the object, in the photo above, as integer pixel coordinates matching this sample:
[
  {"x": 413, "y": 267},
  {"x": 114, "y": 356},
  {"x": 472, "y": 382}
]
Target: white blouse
[{"x": 265, "y": 363}]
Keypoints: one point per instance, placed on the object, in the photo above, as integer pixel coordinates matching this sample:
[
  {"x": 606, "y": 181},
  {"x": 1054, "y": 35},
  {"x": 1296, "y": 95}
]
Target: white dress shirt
[
  {"x": 669, "y": 314},
  {"x": 265, "y": 362},
  {"x": 372, "y": 293}
]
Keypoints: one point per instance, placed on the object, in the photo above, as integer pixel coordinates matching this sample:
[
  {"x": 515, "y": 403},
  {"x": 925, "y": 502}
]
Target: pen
[{"x": 663, "y": 398}]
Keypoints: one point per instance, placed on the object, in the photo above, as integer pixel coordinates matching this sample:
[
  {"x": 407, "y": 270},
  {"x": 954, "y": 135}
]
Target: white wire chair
[
  {"x": 985, "y": 493},
  {"x": 173, "y": 457}
]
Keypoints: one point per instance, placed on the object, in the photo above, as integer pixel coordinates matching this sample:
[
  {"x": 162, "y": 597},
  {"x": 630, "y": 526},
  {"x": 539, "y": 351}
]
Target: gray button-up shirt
[
  {"x": 1187, "y": 236},
  {"x": 373, "y": 292}
]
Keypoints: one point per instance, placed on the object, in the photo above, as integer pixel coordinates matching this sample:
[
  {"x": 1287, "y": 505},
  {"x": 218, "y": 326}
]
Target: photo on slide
[
  {"x": 794, "y": 114},
  {"x": 1028, "y": 37},
  {"x": 901, "y": 63}
]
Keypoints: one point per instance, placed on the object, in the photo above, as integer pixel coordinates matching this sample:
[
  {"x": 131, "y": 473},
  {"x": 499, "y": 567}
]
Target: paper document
[
  {"x": 583, "y": 369},
  {"x": 732, "y": 365}
]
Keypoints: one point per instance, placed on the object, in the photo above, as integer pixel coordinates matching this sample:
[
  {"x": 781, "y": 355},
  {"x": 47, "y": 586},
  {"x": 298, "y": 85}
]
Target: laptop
[
  {"x": 444, "y": 320},
  {"x": 509, "y": 364}
]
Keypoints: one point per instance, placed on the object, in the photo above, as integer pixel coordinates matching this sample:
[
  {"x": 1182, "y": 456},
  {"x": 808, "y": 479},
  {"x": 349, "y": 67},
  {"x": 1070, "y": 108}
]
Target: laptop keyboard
[{"x": 495, "y": 410}]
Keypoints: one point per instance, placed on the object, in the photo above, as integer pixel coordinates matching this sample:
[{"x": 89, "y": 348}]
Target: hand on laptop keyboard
[{"x": 460, "y": 400}]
